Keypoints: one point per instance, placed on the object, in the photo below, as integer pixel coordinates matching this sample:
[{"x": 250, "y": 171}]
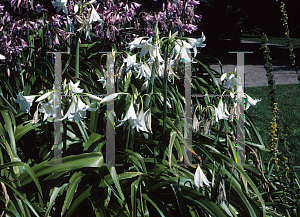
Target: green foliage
[{"x": 152, "y": 180}]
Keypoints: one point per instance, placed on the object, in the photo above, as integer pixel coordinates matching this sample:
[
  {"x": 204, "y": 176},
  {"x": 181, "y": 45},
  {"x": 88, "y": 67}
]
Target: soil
[{"x": 255, "y": 74}]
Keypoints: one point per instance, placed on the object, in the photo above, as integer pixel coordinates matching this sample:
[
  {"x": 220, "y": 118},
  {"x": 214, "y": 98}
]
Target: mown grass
[
  {"x": 272, "y": 39},
  {"x": 288, "y": 103}
]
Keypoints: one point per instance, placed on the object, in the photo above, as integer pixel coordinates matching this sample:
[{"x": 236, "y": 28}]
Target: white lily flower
[
  {"x": 135, "y": 122},
  {"x": 180, "y": 49},
  {"x": 251, "y": 101},
  {"x": 232, "y": 82},
  {"x": 134, "y": 43},
  {"x": 143, "y": 70},
  {"x": 75, "y": 88},
  {"x": 44, "y": 96},
  {"x": 200, "y": 178},
  {"x": 26, "y": 102},
  {"x": 139, "y": 124},
  {"x": 2, "y": 57},
  {"x": 220, "y": 112},
  {"x": 95, "y": 16},
  {"x": 130, "y": 115},
  {"x": 196, "y": 124},
  {"x": 223, "y": 76},
  {"x": 131, "y": 61},
  {"x": 81, "y": 110},
  {"x": 102, "y": 79},
  {"x": 156, "y": 53},
  {"x": 76, "y": 9},
  {"x": 77, "y": 110},
  {"x": 49, "y": 109},
  {"x": 70, "y": 26},
  {"x": 197, "y": 43},
  {"x": 148, "y": 120},
  {"x": 60, "y": 4},
  {"x": 146, "y": 47}
]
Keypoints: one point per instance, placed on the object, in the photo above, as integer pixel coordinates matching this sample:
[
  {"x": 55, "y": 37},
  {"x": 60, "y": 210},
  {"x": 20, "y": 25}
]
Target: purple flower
[
  {"x": 149, "y": 18},
  {"x": 136, "y": 5},
  {"x": 189, "y": 28},
  {"x": 56, "y": 41},
  {"x": 24, "y": 44},
  {"x": 8, "y": 72},
  {"x": 1, "y": 9},
  {"x": 197, "y": 18},
  {"x": 171, "y": 9},
  {"x": 41, "y": 22},
  {"x": 39, "y": 8}
]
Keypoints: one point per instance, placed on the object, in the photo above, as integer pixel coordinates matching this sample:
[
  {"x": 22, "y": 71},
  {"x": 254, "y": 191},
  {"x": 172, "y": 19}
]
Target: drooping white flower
[
  {"x": 102, "y": 79},
  {"x": 44, "y": 96},
  {"x": 200, "y": 178},
  {"x": 76, "y": 9},
  {"x": 2, "y": 57},
  {"x": 60, "y": 4},
  {"x": 156, "y": 53},
  {"x": 232, "y": 82},
  {"x": 146, "y": 47},
  {"x": 75, "y": 88},
  {"x": 221, "y": 112},
  {"x": 180, "y": 48},
  {"x": 134, "y": 43},
  {"x": 130, "y": 115},
  {"x": 95, "y": 16},
  {"x": 196, "y": 124},
  {"x": 139, "y": 124},
  {"x": 48, "y": 109},
  {"x": 26, "y": 102},
  {"x": 135, "y": 122},
  {"x": 77, "y": 110},
  {"x": 148, "y": 120},
  {"x": 197, "y": 43},
  {"x": 143, "y": 70},
  {"x": 131, "y": 61},
  {"x": 251, "y": 101}
]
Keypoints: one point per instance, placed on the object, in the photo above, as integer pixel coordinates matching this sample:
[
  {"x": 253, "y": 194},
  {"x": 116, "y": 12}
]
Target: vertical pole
[{"x": 240, "y": 128}]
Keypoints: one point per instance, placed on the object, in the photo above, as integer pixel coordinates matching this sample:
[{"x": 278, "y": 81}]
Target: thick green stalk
[
  {"x": 165, "y": 98},
  {"x": 150, "y": 88},
  {"x": 77, "y": 55},
  {"x": 165, "y": 92}
]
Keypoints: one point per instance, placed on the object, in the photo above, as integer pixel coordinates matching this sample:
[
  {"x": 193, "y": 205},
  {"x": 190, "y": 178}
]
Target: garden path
[{"x": 255, "y": 74}]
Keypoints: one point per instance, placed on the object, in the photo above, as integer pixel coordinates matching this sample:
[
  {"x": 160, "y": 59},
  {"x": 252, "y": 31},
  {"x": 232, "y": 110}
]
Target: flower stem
[
  {"x": 77, "y": 55},
  {"x": 165, "y": 97}
]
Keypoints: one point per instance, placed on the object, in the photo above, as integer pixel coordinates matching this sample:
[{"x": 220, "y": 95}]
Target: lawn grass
[
  {"x": 288, "y": 104},
  {"x": 272, "y": 39}
]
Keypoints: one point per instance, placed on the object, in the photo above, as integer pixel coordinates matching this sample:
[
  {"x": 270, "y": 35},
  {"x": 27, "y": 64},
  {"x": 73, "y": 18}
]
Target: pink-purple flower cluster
[
  {"x": 111, "y": 21},
  {"x": 174, "y": 16}
]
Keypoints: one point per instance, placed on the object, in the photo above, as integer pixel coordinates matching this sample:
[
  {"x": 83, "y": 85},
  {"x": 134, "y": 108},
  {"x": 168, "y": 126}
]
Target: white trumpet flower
[
  {"x": 77, "y": 110},
  {"x": 26, "y": 102},
  {"x": 60, "y": 4},
  {"x": 130, "y": 115},
  {"x": 131, "y": 61},
  {"x": 197, "y": 43},
  {"x": 251, "y": 101},
  {"x": 2, "y": 57},
  {"x": 75, "y": 88},
  {"x": 95, "y": 16},
  {"x": 221, "y": 112},
  {"x": 232, "y": 82},
  {"x": 143, "y": 70},
  {"x": 200, "y": 178},
  {"x": 102, "y": 79},
  {"x": 48, "y": 109},
  {"x": 135, "y": 122}
]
